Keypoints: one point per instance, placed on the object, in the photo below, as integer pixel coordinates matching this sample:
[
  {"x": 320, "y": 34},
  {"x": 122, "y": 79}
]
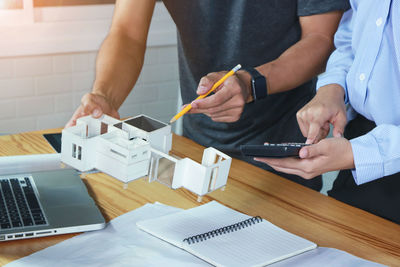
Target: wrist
[
  {"x": 333, "y": 93},
  {"x": 258, "y": 84},
  {"x": 349, "y": 162},
  {"x": 245, "y": 78},
  {"x": 333, "y": 90}
]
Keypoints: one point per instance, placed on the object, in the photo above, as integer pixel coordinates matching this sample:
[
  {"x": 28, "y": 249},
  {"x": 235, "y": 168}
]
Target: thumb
[
  {"x": 310, "y": 151},
  {"x": 205, "y": 85},
  {"x": 92, "y": 105},
  {"x": 96, "y": 113},
  {"x": 92, "y": 109}
]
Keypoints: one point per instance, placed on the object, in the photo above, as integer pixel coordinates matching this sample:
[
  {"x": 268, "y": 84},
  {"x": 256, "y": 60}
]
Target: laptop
[{"x": 45, "y": 203}]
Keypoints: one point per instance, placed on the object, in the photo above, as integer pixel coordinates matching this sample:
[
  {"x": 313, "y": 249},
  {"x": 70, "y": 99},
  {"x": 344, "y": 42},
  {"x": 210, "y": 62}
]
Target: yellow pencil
[{"x": 189, "y": 106}]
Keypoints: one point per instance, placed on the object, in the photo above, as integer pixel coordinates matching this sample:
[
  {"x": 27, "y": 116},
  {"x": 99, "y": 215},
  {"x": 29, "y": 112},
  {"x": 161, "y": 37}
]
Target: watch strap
[{"x": 258, "y": 84}]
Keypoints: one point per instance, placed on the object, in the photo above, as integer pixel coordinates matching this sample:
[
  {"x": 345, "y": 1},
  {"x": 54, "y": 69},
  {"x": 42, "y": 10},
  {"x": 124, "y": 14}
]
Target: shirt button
[
  {"x": 362, "y": 77},
  {"x": 379, "y": 22}
]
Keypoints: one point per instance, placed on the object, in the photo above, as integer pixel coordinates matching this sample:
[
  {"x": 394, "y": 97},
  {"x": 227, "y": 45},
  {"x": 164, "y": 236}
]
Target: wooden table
[{"x": 250, "y": 190}]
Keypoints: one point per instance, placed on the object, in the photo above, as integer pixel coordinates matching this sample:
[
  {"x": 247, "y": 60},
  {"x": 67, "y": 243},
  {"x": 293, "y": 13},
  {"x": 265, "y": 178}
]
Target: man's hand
[
  {"x": 95, "y": 105},
  {"x": 325, "y": 108},
  {"x": 329, "y": 154},
  {"x": 227, "y": 104},
  {"x": 119, "y": 60}
]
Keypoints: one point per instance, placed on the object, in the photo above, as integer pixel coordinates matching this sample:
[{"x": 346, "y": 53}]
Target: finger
[
  {"x": 77, "y": 114},
  {"x": 90, "y": 106},
  {"x": 217, "y": 114},
  {"x": 228, "y": 119},
  {"x": 291, "y": 171},
  {"x": 184, "y": 106},
  {"x": 204, "y": 86},
  {"x": 207, "y": 82},
  {"x": 70, "y": 123},
  {"x": 311, "y": 151},
  {"x": 289, "y": 162},
  {"x": 304, "y": 127},
  {"x": 220, "y": 109},
  {"x": 297, "y": 172},
  {"x": 214, "y": 101},
  {"x": 287, "y": 165},
  {"x": 234, "y": 113},
  {"x": 96, "y": 113},
  {"x": 193, "y": 110},
  {"x": 224, "y": 95},
  {"x": 303, "y": 124},
  {"x": 324, "y": 131},
  {"x": 225, "y": 116},
  {"x": 313, "y": 132},
  {"x": 339, "y": 125},
  {"x": 297, "y": 168},
  {"x": 92, "y": 109}
]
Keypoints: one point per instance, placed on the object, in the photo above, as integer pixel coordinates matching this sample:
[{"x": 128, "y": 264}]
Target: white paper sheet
[
  {"x": 325, "y": 257},
  {"x": 121, "y": 243},
  {"x": 33, "y": 163},
  {"x": 29, "y": 163}
]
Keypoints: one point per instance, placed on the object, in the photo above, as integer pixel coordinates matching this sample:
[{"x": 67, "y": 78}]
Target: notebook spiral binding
[{"x": 223, "y": 230}]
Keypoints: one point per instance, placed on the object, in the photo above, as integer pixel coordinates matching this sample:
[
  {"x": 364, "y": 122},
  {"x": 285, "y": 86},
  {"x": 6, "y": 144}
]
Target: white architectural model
[{"x": 137, "y": 147}]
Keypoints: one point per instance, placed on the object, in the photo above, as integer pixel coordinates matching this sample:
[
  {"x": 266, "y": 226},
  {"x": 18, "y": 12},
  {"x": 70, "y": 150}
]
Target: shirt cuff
[
  {"x": 325, "y": 79},
  {"x": 367, "y": 159}
]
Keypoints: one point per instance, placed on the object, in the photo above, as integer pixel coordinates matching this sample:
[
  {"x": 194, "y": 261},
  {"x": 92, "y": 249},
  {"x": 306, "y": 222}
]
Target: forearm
[
  {"x": 297, "y": 65},
  {"x": 306, "y": 58},
  {"x": 118, "y": 66}
]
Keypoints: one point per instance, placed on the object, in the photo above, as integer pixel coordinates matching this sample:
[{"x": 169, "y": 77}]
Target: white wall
[{"x": 42, "y": 91}]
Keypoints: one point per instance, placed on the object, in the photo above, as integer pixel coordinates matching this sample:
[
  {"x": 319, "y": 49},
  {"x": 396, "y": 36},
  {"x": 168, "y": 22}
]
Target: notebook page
[
  {"x": 258, "y": 245},
  {"x": 178, "y": 226}
]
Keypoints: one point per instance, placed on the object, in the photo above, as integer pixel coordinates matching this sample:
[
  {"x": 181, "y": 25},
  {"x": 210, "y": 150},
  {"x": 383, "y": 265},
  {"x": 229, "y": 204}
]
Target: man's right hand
[
  {"x": 327, "y": 107},
  {"x": 95, "y": 105}
]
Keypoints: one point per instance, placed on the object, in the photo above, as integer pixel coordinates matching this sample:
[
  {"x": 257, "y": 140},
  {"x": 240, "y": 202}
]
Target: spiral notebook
[{"x": 224, "y": 237}]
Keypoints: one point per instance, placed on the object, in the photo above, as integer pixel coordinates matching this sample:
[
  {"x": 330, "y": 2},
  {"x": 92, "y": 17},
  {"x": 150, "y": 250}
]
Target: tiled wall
[{"x": 40, "y": 92}]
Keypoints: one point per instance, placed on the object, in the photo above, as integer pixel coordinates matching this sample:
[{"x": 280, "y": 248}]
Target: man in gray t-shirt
[{"x": 287, "y": 41}]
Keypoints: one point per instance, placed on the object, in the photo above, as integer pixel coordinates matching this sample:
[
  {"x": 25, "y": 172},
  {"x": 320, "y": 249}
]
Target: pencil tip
[{"x": 172, "y": 120}]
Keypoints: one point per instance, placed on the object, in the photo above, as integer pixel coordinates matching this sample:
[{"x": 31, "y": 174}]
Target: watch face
[
  {"x": 260, "y": 87},
  {"x": 258, "y": 84},
  {"x": 253, "y": 89}
]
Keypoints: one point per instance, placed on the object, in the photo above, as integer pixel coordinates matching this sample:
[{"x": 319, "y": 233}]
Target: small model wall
[{"x": 131, "y": 149}]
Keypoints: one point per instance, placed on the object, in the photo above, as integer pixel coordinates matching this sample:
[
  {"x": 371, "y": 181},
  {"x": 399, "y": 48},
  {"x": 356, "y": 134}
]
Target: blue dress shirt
[{"x": 366, "y": 63}]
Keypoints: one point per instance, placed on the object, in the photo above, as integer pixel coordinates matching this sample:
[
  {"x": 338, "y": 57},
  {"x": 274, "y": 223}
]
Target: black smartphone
[
  {"x": 54, "y": 140},
  {"x": 272, "y": 150}
]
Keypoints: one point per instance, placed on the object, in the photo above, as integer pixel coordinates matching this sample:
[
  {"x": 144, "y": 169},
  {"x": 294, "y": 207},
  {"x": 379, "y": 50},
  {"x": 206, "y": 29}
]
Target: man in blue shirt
[{"x": 364, "y": 71}]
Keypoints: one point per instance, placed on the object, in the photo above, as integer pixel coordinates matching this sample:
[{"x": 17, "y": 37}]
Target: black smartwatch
[{"x": 258, "y": 84}]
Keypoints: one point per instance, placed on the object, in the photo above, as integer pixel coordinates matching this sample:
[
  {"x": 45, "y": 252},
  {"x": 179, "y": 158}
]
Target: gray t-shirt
[{"x": 216, "y": 35}]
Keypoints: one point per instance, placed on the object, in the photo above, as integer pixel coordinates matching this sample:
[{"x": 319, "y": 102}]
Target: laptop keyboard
[{"x": 19, "y": 206}]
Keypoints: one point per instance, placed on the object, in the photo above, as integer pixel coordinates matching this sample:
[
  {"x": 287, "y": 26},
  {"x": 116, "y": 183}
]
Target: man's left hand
[{"x": 227, "y": 102}]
